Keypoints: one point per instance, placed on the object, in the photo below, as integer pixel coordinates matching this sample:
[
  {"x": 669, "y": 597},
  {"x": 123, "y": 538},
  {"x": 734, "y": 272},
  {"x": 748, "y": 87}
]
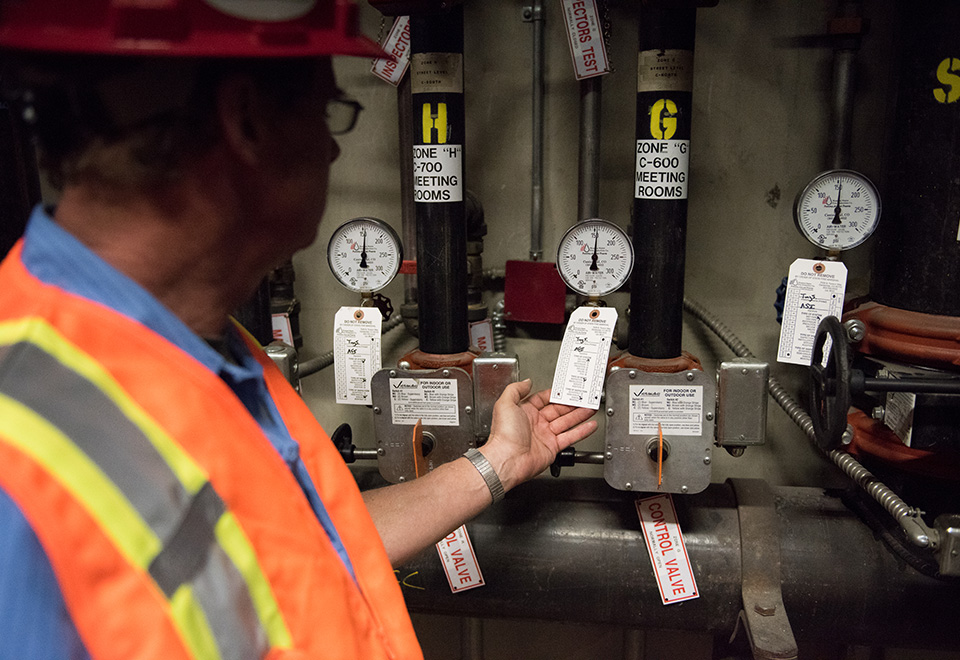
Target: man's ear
[{"x": 243, "y": 122}]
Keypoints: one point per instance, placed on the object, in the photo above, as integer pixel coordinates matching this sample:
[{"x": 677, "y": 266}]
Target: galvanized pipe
[
  {"x": 588, "y": 186},
  {"x": 536, "y": 192}
]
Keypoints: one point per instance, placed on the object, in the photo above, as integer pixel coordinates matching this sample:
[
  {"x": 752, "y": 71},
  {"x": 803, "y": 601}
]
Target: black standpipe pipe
[
  {"x": 664, "y": 108},
  {"x": 436, "y": 67}
]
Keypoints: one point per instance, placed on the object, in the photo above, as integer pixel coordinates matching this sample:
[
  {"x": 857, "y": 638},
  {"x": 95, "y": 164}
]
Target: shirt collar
[{"x": 54, "y": 256}]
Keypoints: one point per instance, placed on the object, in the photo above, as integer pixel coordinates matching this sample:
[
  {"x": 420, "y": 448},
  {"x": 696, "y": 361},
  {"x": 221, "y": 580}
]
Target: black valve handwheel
[{"x": 830, "y": 383}]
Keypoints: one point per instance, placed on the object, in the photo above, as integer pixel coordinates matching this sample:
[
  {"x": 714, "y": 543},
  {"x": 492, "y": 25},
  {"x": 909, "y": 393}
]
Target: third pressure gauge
[
  {"x": 595, "y": 257},
  {"x": 364, "y": 254},
  {"x": 838, "y": 210}
]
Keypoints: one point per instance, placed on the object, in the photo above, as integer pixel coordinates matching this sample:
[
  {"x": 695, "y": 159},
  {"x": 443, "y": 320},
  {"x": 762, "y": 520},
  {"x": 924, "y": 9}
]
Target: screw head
[
  {"x": 765, "y": 610},
  {"x": 376, "y": 410},
  {"x": 608, "y": 455},
  {"x": 689, "y": 375},
  {"x": 706, "y": 460},
  {"x": 468, "y": 410},
  {"x": 403, "y": 364},
  {"x": 683, "y": 489},
  {"x": 609, "y": 412},
  {"x": 381, "y": 451},
  {"x": 633, "y": 374},
  {"x": 401, "y": 479},
  {"x": 628, "y": 486},
  {"x": 709, "y": 416},
  {"x": 446, "y": 372},
  {"x": 393, "y": 372}
]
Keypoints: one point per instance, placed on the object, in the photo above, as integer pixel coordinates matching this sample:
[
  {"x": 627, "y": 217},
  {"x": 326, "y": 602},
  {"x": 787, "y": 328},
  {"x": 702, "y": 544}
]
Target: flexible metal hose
[{"x": 906, "y": 516}]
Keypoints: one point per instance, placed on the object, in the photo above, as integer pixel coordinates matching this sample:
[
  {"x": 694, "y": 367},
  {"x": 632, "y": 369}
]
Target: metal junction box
[{"x": 682, "y": 404}]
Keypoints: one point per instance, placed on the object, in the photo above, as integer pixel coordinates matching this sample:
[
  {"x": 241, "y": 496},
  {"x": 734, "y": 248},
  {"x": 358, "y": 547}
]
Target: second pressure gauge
[
  {"x": 595, "y": 257},
  {"x": 364, "y": 254},
  {"x": 838, "y": 210}
]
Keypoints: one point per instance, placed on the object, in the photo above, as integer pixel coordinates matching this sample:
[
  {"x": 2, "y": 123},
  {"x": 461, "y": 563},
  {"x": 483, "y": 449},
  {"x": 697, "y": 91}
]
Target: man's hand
[{"x": 527, "y": 432}]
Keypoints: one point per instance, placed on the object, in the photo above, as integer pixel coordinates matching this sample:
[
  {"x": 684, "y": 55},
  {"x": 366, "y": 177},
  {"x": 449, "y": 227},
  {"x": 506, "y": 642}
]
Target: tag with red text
[
  {"x": 668, "y": 553},
  {"x": 460, "y": 561},
  {"x": 585, "y": 36},
  {"x": 397, "y": 44}
]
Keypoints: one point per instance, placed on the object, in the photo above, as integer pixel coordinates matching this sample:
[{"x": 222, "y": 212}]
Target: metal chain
[
  {"x": 606, "y": 25},
  {"x": 383, "y": 22}
]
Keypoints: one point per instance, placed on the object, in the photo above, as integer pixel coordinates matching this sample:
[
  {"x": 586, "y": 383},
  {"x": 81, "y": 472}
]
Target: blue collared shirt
[{"x": 32, "y": 611}]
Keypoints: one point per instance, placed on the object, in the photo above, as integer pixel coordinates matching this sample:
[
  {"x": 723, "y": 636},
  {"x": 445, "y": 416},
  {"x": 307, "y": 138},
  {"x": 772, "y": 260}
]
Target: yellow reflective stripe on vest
[
  {"x": 45, "y": 444},
  {"x": 231, "y": 538}
]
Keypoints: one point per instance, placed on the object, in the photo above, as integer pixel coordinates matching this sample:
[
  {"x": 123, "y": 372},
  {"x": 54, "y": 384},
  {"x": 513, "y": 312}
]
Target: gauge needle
[
  {"x": 363, "y": 252},
  {"x": 593, "y": 260},
  {"x": 836, "y": 211},
  {"x": 660, "y": 456}
]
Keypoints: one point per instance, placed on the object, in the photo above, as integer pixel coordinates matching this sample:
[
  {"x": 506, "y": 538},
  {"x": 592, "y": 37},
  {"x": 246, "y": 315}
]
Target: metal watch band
[{"x": 487, "y": 472}]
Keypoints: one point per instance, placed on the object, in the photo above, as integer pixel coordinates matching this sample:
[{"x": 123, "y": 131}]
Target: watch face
[
  {"x": 838, "y": 210},
  {"x": 595, "y": 257},
  {"x": 364, "y": 254}
]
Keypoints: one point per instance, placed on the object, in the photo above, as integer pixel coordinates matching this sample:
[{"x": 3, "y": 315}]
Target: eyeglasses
[{"x": 342, "y": 115}]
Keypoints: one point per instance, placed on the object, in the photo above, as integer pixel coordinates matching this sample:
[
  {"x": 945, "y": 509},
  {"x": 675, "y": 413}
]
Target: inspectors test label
[
  {"x": 435, "y": 401},
  {"x": 585, "y": 37},
  {"x": 438, "y": 173},
  {"x": 678, "y": 409},
  {"x": 662, "y": 167},
  {"x": 397, "y": 44},
  {"x": 460, "y": 561},
  {"x": 668, "y": 552}
]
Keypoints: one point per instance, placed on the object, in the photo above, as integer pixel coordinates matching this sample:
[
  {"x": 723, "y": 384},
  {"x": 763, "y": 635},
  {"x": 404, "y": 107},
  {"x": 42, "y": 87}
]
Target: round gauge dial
[
  {"x": 838, "y": 210},
  {"x": 364, "y": 254},
  {"x": 595, "y": 257}
]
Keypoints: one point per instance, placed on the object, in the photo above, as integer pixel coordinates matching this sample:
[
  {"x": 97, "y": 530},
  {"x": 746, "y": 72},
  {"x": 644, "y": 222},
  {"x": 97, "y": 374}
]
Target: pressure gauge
[
  {"x": 595, "y": 257},
  {"x": 838, "y": 210},
  {"x": 364, "y": 254}
]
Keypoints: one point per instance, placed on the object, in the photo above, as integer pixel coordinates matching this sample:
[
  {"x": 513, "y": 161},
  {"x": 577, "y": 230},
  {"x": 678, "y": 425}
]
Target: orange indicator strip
[{"x": 660, "y": 456}]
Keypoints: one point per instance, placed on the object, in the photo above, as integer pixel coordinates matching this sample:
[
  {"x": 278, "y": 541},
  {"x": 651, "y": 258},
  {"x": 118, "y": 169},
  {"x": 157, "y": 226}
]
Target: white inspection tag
[
  {"x": 481, "y": 335},
  {"x": 438, "y": 173},
  {"x": 434, "y": 401},
  {"x": 582, "y": 363},
  {"x": 814, "y": 290},
  {"x": 397, "y": 44},
  {"x": 460, "y": 561},
  {"x": 668, "y": 553},
  {"x": 585, "y": 37},
  {"x": 662, "y": 167},
  {"x": 356, "y": 352},
  {"x": 678, "y": 409}
]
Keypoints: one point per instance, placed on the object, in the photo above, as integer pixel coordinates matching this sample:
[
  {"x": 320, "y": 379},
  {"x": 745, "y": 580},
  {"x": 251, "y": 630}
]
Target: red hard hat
[{"x": 185, "y": 28}]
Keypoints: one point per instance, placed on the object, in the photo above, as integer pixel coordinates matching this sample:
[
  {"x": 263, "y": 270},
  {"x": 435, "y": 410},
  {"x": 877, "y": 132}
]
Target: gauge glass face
[
  {"x": 595, "y": 257},
  {"x": 838, "y": 210},
  {"x": 364, "y": 254}
]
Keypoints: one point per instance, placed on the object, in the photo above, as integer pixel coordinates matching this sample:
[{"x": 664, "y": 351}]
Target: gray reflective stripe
[
  {"x": 185, "y": 524},
  {"x": 241, "y": 635},
  {"x": 78, "y": 407},
  {"x": 183, "y": 554}
]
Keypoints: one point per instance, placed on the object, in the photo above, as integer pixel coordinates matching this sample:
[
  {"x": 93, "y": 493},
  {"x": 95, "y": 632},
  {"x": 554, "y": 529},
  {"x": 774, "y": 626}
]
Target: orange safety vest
[{"x": 174, "y": 527}]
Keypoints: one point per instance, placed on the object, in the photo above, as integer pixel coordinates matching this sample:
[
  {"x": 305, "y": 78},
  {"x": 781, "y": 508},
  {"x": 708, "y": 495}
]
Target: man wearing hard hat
[{"x": 163, "y": 491}]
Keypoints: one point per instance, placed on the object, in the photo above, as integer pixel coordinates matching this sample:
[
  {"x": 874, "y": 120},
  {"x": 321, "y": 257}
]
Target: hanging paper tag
[
  {"x": 668, "y": 553},
  {"x": 481, "y": 335},
  {"x": 460, "y": 561},
  {"x": 585, "y": 36},
  {"x": 814, "y": 290},
  {"x": 356, "y": 352},
  {"x": 396, "y": 43},
  {"x": 582, "y": 364},
  {"x": 282, "y": 329}
]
